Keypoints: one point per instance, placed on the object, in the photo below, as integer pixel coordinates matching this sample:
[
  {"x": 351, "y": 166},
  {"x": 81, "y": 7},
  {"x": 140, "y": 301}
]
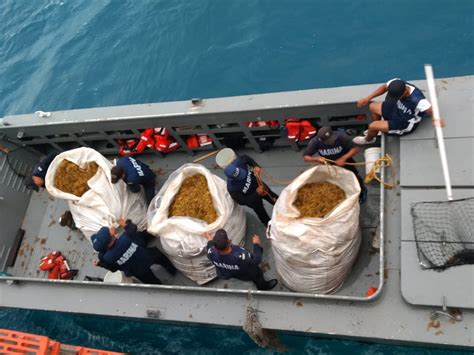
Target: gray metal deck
[
  {"x": 43, "y": 232},
  {"x": 388, "y": 318}
]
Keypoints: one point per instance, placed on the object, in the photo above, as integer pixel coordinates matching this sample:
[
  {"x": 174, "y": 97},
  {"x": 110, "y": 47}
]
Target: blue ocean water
[{"x": 68, "y": 54}]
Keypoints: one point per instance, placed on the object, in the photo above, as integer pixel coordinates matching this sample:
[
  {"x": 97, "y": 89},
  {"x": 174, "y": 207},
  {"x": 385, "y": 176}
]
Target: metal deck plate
[
  {"x": 421, "y": 166},
  {"x": 428, "y": 287}
]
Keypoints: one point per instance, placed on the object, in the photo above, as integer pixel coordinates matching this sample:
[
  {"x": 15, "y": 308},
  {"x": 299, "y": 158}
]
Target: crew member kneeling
[
  {"x": 38, "y": 175},
  {"x": 232, "y": 261},
  {"x": 135, "y": 173},
  {"x": 128, "y": 253}
]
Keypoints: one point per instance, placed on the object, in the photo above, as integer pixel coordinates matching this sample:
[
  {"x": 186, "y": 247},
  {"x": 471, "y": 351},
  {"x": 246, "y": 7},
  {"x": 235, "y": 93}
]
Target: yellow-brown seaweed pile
[
  {"x": 194, "y": 200},
  {"x": 73, "y": 179},
  {"x": 318, "y": 199}
]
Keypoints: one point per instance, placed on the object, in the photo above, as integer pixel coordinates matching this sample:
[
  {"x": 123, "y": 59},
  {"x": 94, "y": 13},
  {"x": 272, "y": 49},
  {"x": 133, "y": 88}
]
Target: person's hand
[
  {"x": 438, "y": 123},
  {"x": 362, "y": 102},
  {"x": 260, "y": 190},
  {"x": 96, "y": 262},
  {"x": 112, "y": 231},
  {"x": 208, "y": 235},
  {"x": 319, "y": 160},
  {"x": 340, "y": 162},
  {"x": 256, "y": 239},
  {"x": 122, "y": 222},
  {"x": 257, "y": 170}
]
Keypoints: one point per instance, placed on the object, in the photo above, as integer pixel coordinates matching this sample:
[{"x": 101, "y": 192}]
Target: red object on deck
[
  {"x": 13, "y": 342},
  {"x": 371, "y": 291}
]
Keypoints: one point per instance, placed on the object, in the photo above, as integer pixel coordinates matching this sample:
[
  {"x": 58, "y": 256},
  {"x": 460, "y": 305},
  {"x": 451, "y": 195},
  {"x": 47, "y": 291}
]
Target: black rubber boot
[{"x": 268, "y": 285}]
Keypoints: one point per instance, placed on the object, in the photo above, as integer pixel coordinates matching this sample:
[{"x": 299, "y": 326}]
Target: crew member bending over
[
  {"x": 135, "y": 173},
  {"x": 244, "y": 182},
  {"x": 36, "y": 180},
  {"x": 403, "y": 108},
  {"x": 232, "y": 261},
  {"x": 336, "y": 146},
  {"x": 128, "y": 253}
]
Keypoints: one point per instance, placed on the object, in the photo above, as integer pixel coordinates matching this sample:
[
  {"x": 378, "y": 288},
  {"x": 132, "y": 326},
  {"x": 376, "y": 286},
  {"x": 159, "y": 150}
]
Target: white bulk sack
[
  {"x": 182, "y": 237},
  {"x": 315, "y": 255},
  {"x": 105, "y": 203}
]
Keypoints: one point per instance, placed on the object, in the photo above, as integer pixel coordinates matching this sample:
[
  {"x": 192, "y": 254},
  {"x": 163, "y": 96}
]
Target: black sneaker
[{"x": 269, "y": 285}]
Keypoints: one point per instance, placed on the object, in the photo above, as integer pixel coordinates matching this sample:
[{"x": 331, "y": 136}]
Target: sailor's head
[
  {"x": 396, "y": 90},
  {"x": 34, "y": 182},
  {"x": 226, "y": 160},
  {"x": 117, "y": 173},
  {"x": 221, "y": 241},
  {"x": 326, "y": 135},
  {"x": 103, "y": 239}
]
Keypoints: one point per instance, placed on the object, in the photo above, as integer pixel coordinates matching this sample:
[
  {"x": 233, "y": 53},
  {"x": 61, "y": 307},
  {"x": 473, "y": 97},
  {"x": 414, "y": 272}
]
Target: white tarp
[
  {"x": 315, "y": 255},
  {"x": 182, "y": 237},
  {"x": 105, "y": 203}
]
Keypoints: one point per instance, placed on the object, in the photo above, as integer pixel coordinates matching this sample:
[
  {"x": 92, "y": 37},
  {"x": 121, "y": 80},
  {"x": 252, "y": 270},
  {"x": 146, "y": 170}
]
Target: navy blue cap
[
  {"x": 101, "y": 239},
  {"x": 234, "y": 172}
]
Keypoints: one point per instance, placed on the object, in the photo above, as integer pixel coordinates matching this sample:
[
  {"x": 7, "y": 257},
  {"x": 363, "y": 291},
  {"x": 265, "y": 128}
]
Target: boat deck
[
  {"x": 389, "y": 318},
  {"x": 43, "y": 232}
]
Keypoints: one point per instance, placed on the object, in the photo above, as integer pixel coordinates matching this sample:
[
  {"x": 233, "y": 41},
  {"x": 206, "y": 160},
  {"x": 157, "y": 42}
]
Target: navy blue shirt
[
  {"x": 137, "y": 172},
  {"x": 128, "y": 254},
  {"x": 413, "y": 107},
  {"x": 41, "y": 168},
  {"x": 341, "y": 146},
  {"x": 236, "y": 263},
  {"x": 247, "y": 186}
]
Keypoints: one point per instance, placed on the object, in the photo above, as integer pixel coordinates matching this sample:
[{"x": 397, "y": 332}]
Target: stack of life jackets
[
  {"x": 152, "y": 138},
  {"x": 299, "y": 129},
  {"x": 198, "y": 140},
  {"x": 57, "y": 267}
]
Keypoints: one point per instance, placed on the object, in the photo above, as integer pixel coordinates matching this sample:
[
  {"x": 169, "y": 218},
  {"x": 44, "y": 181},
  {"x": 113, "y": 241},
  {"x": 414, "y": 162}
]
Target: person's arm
[
  {"x": 342, "y": 160},
  {"x": 129, "y": 226},
  {"x": 103, "y": 264},
  {"x": 249, "y": 161},
  {"x": 349, "y": 145},
  {"x": 382, "y": 89},
  {"x": 310, "y": 151},
  {"x": 254, "y": 258}
]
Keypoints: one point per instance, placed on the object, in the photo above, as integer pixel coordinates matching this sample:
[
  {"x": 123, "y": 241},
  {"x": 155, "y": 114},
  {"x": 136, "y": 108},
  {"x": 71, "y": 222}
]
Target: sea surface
[{"x": 69, "y": 54}]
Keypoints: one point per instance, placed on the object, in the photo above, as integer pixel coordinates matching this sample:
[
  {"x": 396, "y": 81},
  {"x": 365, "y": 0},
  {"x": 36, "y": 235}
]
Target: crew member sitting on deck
[
  {"x": 135, "y": 173},
  {"x": 244, "y": 182},
  {"x": 36, "y": 180},
  {"x": 403, "y": 108},
  {"x": 336, "y": 146},
  {"x": 128, "y": 253},
  {"x": 232, "y": 261}
]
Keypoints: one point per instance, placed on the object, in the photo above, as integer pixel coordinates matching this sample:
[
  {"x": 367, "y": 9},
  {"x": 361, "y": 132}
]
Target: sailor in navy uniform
[
  {"x": 135, "y": 173},
  {"x": 232, "y": 261},
  {"x": 404, "y": 107},
  {"x": 128, "y": 253},
  {"x": 38, "y": 175},
  {"x": 244, "y": 184},
  {"x": 336, "y": 146}
]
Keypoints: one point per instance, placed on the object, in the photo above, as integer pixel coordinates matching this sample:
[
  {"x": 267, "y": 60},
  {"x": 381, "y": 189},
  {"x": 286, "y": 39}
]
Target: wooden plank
[{"x": 420, "y": 163}]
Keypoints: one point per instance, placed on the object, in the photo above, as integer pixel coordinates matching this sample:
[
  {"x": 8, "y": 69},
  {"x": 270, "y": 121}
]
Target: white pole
[{"x": 439, "y": 131}]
